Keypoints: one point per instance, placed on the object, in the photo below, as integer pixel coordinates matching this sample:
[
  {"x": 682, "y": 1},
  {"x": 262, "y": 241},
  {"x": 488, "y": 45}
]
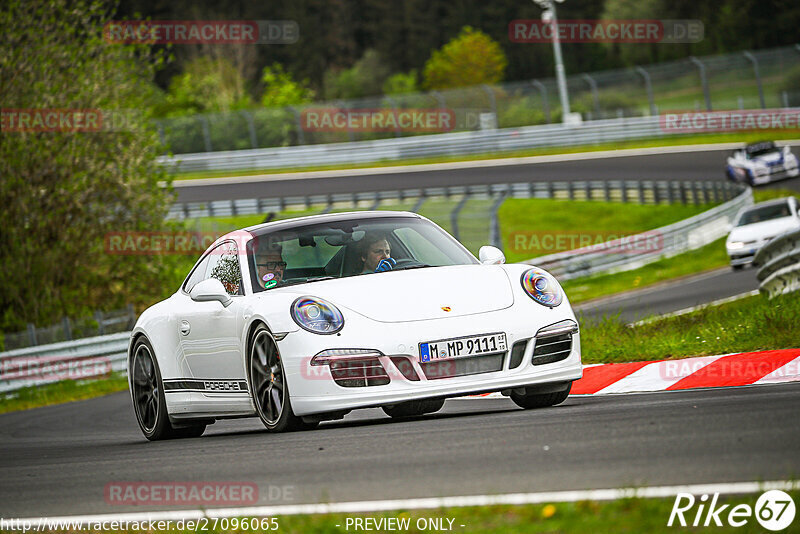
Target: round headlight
[
  {"x": 542, "y": 287},
  {"x": 317, "y": 315}
]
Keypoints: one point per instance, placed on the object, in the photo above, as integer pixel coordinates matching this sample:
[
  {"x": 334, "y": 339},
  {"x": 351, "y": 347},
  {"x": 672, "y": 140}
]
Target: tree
[
  {"x": 281, "y": 90},
  {"x": 364, "y": 78},
  {"x": 401, "y": 83},
  {"x": 469, "y": 59},
  {"x": 206, "y": 85},
  {"x": 62, "y": 191}
]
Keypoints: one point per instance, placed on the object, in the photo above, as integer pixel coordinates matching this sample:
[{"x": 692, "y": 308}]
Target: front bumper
[{"x": 314, "y": 391}]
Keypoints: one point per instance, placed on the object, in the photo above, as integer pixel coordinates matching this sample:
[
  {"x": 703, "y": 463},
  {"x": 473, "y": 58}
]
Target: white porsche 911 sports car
[
  {"x": 300, "y": 321},
  {"x": 761, "y": 163}
]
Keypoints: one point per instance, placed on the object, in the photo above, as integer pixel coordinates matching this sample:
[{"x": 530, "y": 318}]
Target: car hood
[
  {"x": 763, "y": 230},
  {"x": 419, "y": 294}
]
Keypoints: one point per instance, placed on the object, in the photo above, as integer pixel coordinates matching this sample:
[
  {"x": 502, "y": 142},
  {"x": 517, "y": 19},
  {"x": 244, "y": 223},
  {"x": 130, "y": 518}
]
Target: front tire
[
  {"x": 268, "y": 384},
  {"x": 540, "y": 400},
  {"x": 149, "y": 401}
]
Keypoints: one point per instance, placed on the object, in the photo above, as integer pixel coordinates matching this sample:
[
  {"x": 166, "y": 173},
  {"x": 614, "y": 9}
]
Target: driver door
[{"x": 210, "y": 333}]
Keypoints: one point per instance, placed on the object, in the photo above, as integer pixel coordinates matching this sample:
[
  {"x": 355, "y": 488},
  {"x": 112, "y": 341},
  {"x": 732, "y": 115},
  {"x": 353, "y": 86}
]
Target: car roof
[{"x": 329, "y": 217}]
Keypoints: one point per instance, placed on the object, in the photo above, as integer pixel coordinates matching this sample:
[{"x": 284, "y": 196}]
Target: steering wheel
[{"x": 407, "y": 262}]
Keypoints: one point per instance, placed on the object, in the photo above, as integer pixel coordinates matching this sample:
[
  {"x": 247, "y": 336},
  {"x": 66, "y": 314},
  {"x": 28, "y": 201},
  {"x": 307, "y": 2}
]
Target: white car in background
[
  {"x": 756, "y": 225},
  {"x": 285, "y": 321},
  {"x": 761, "y": 163}
]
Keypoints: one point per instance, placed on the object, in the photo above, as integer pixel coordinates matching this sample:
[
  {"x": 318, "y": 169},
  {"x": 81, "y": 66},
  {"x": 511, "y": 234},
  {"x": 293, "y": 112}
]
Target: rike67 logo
[{"x": 774, "y": 510}]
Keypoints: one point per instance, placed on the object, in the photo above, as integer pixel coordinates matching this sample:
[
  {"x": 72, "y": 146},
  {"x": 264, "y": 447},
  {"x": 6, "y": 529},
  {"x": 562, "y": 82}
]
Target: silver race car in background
[{"x": 761, "y": 163}]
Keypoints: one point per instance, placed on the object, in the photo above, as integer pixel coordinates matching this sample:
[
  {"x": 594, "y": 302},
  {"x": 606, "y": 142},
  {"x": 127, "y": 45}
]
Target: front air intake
[
  {"x": 552, "y": 349},
  {"x": 362, "y": 372}
]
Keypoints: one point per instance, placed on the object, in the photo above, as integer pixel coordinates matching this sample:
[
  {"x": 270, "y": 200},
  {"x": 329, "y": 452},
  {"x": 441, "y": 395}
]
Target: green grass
[
  {"x": 750, "y": 324},
  {"x": 675, "y": 140},
  {"x": 628, "y": 515},
  {"x": 60, "y": 392},
  {"x": 711, "y": 256},
  {"x": 552, "y": 219}
]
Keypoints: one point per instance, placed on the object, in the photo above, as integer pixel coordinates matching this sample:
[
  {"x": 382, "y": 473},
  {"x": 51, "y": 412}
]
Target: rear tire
[
  {"x": 149, "y": 402},
  {"x": 414, "y": 408},
  {"x": 541, "y": 400}
]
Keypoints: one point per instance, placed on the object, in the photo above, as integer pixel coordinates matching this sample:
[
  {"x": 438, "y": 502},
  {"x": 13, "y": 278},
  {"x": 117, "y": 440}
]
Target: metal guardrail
[
  {"x": 79, "y": 359},
  {"x": 635, "y": 251},
  {"x": 779, "y": 265},
  {"x": 462, "y": 143},
  {"x": 421, "y": 146}
]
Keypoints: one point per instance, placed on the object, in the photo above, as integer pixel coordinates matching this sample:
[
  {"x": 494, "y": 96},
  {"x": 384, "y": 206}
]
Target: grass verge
[
  {"x": 60, "y": 392},
  {"x": 745, "y": 137},
  {"x": 750, "y": 324},
  {"x": 622, "y": 515}
]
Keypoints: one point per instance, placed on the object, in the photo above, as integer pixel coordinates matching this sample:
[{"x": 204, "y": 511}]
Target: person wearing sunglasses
[{"x": 270, "y": 266}]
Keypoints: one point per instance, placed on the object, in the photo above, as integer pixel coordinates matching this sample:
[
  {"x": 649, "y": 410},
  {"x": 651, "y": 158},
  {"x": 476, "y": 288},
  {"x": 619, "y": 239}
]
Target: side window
[
  {"x": 224, "y": 266},
  {"x": 221, "y": 263},
  {"x": 198, "y": 275}
]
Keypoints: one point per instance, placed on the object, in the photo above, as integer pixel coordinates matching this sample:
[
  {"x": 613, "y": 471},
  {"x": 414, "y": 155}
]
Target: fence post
[
  {"x": 454, "y": 215},
  {"x": 570, "y": 191},
  {"x": 101, "y": 327},
  {"x": 545, "y": 103},
  {"x": 606, "y": 191},
  {"x": 682, "y": 189},
  {"x": 749, "y": 55},
  {"x": 624, "y": 191},
  {"x": 67, "y": 329},
  {"x": 494, "y": 228},
  {"x": 32, "y": 334},
  {"x": 587, "y": 186},
  {"x": 301, "y": 136},
  {"x": 251, "y": 127},
  {"x": 206, "y": 132},
  {"x": 419, "y": 202},
  {"x": 702, "y": 68},
  {"x": 641, "y": 192},
  {"x": 131, "y": 316},
  {"x": 397, "y": 132},
  {"x": 492, "y": 101},
  {"x": 595, "y": 96},
  {"x": 648, "y": 85}
]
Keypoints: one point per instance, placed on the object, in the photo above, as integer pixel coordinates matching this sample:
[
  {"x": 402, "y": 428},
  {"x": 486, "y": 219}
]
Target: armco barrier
[
  {"x": 779, "y": 264},
  {"x": 81, "y": 358},
  {"x": 422, "y": 146},
  {"x": 673, "y": 239}
]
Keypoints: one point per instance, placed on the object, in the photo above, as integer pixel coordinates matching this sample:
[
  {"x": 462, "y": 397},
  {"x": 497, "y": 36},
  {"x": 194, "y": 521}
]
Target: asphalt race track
[
  {"x": 672, "y": 296},
  {"x": 57, "y": 460},
  {"x": 708, "y": 165}
]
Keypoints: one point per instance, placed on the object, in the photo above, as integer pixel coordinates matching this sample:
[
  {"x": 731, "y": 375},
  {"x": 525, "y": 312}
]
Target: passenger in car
[{"x": 376, "y": 253}]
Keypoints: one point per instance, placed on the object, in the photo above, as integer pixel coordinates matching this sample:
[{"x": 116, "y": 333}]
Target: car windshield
[
  {"x": 337, "y": 249},
  {"x": 760, "y": 149},
  {"x": 765, "y": 213}
]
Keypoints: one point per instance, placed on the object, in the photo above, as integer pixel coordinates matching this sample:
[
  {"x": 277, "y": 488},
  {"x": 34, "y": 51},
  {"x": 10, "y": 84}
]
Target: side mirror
[
  {"x": 210, "y": 290},
  {"x": 491, "y": 256}
]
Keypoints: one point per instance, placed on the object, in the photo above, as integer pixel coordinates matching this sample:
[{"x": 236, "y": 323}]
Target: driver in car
[
  {"x": 270, "y": 265},
  {"x": 376, "y": 253}
]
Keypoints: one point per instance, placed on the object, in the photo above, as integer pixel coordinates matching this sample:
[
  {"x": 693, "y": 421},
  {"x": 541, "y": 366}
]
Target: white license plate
[{"x": 459, "y": 347}]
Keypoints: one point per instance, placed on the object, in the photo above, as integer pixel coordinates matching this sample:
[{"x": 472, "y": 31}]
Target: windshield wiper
[
  {"x": 413, "y": 267},
  {"x": 295, "y": 281}
]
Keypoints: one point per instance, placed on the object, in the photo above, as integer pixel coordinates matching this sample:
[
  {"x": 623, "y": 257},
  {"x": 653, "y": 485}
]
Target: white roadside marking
[
  {"x": 427, "y": 167},
  {"x": 658, "y": 376},
  {"x": 695, "y": 308},
  {"x": 733, "y": 488},
  {"x": 788, "y": 373}
]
